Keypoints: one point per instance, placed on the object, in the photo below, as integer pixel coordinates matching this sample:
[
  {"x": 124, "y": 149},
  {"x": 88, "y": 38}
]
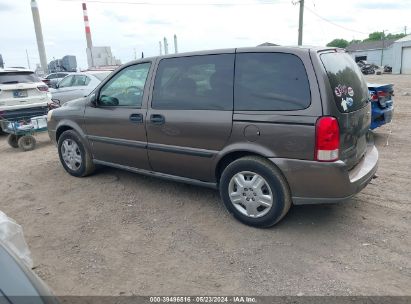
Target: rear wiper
[{"x": 10, "y": 82}]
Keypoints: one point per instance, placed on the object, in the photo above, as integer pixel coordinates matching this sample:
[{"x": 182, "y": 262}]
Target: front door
[
  {"x": 115, "y": 126},
  {"x": 190, "y": 118}
]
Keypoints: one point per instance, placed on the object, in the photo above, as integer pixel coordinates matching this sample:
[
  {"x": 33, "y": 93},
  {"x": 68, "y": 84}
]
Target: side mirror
[{"x": 93, "y": 100}]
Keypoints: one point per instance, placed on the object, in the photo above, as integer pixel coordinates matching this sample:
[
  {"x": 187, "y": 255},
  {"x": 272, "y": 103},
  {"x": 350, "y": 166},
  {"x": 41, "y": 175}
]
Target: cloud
[
  {"x": 381, "y": 5},
  {"x": 341, "y": 19},
  {"x": 157, "y": 22},
  {"x": 115, "y": 16},
  {"x": 5, "y": 7}
]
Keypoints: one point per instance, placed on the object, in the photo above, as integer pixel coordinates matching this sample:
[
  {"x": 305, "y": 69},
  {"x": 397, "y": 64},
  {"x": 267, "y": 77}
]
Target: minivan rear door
[
  {"x": 190, "y": 118},
  {"x": 351, "y": 99}
]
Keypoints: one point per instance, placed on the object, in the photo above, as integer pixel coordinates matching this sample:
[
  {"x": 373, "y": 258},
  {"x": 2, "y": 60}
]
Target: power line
[{"x": 335, "y": 24}]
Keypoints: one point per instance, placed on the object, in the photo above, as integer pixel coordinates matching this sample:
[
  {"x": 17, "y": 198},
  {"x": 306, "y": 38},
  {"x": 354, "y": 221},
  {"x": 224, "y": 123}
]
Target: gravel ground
[{"x": 120, "y": 233}]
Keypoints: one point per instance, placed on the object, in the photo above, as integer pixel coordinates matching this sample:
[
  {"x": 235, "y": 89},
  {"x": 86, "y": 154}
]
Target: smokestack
[
  {"x": 175, "y": 44},
  {"x": 39, "y": 35},
  {"x": 87, "y": 26},
  {"x": 165, "y": 46}
]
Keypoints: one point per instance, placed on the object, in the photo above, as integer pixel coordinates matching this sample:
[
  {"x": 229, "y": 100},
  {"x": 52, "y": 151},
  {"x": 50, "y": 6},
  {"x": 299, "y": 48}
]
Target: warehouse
[
  {"x": 395, "y": 53},
  {"x": 377, "y": 52},
  {"x": 402, "y": 56}
]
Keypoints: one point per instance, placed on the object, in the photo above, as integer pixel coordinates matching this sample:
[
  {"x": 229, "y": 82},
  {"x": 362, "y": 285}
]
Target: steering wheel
[{"x": 133, "y": 90}]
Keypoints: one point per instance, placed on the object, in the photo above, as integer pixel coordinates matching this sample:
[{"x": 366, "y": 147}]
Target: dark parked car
[
  {"x": 382, "y": 107},
  {"x": 267, "y": 126}
]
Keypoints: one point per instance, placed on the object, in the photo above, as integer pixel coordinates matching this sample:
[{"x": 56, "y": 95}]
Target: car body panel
[
  {"x": 382, "y": 110},
  {"x": 23, "y": 95},
  {"x": 64, "y": 94},
  {"x": 192, "y": 144},
  {"x": 19, "y": 284}
]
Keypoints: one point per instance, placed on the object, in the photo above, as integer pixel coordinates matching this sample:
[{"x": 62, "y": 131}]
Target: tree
[
  {"x": 340, "y": 43},
  {"x": 375, "y": 36}
]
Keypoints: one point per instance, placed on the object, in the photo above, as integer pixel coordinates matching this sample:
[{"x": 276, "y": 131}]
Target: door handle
[
  {"x": 157, "y": 119},
  {"x": 136, "y": 118}
]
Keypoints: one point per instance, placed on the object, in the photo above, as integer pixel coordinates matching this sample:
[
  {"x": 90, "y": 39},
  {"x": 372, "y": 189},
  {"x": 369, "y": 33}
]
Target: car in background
[
  {"x": 76, "y": 85},
  {"x": 22, "y": 94},
  {"x": 52, "y": 79},
  {"x": 382, "y": 108}
]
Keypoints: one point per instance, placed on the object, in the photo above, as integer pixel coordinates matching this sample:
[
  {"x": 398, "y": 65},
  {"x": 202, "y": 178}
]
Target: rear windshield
[
  {"x": 346, "y": 80},
  {"x": 18, "y": 77}
]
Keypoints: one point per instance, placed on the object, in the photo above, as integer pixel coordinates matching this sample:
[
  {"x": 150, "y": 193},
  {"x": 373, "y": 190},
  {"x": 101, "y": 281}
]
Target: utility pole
[
  {"x": 405, "y": 30},
  {"x": 300, "y": 23},
  {"x": 175, "y": 44},
  {"x": 161, "y": 48},
  {"x": 28, "y": 60},
  {"x": 165, "y": 46},
  {"x": 382, "y": 49},
  {"x": 135, "y": 54}
]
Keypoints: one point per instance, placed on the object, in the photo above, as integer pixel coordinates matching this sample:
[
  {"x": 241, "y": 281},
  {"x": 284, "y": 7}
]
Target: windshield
[
  {"x": 346, "y": 80},
  {"x": 101, "y": 76},
  {"x": 18, "y": 77}
]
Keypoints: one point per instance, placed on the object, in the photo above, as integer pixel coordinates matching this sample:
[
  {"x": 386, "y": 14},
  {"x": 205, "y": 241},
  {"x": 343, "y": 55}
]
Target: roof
[
  {"x": 406, "y": 38},
  {"x": 8, "y": 70},
  {"x": 370, "y": 45},
  {"x": 268, "y": 44}
]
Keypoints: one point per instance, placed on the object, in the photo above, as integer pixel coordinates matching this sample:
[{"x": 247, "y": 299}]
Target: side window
[
  {"x": 126, "y": 88},
  {"x": 66, "y": 82},
  {"x": 195, "y": 83},
  {"x": 80, "y": 80},
  {"x": 270, "y": 82}
]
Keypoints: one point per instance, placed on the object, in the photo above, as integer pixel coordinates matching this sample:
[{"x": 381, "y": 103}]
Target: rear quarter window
[
  {"x": 347, "y": 82},
  {"x": 270, "y": 82}
]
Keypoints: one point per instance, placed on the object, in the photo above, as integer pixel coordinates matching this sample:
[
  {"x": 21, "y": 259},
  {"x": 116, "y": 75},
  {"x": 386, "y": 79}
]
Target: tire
[
  {"x": 270, "y": 183},
  {"x": 26, "y": 143},
  {"x": 74, "y": 156},
  {"x": 12, "y": 140}
]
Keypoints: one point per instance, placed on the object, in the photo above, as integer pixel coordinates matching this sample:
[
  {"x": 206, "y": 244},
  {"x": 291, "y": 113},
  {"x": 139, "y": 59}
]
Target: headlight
[{"x": 49, "y": 114}]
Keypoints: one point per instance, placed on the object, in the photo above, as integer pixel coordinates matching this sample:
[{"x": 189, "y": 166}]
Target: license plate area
[{"x": 19, "y": 93}]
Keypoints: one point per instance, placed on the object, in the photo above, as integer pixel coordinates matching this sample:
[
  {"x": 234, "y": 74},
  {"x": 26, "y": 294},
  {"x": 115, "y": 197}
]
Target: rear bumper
[
  {"x": 381, "y": 116},
  {"x": 26, "y": 112},
  {"x": 314, "y": 182}
]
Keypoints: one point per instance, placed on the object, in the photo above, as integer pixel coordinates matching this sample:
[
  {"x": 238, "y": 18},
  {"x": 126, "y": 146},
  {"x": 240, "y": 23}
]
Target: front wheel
[
  {"x": 74, "y": 156},
  {"x": 255, "y": 191}
]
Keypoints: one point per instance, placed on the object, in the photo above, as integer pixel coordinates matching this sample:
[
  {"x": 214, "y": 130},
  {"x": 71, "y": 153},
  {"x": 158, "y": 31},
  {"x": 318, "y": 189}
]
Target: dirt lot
[{"x": 120, "y": 233}]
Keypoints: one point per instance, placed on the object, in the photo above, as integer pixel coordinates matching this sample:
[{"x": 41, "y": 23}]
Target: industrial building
[
  {"x": 66, "y": 64},
  {"x": 99, "y": 56},
  {"x": 376, "y": 52},
  {"x": 395, "y": 53}
]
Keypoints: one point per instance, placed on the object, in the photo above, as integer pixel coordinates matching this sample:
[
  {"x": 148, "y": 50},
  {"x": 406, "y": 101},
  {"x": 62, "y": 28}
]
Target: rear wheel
[
  {"x": 26, "y": 142},
  {"x": 74, "y": 156},
  {"x": 255, "y": 191},
  {"x": 12, "y": 140}
]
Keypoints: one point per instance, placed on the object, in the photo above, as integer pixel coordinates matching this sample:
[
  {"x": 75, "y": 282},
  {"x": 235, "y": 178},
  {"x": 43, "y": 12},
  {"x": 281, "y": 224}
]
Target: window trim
[
  {"x": 108, "y": 79},
  {"x": 156, "y": 70},
  {"x": 272, "y": 111}
]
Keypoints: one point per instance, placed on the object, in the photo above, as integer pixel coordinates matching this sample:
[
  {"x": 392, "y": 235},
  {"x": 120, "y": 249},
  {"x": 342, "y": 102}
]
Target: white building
[
  {"x": 377, "y": 52},
  {"x": 99, "y": 56},
  {"x": 395, "y": 53},
  {"x": 402, "y": 56}
]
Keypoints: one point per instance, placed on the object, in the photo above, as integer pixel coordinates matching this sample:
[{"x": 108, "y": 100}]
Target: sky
[{"x": 134, "y": 26}]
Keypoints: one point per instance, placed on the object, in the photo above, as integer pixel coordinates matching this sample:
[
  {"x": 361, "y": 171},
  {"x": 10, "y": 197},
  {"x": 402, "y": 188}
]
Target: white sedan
[{"x": 77, "y": 85}]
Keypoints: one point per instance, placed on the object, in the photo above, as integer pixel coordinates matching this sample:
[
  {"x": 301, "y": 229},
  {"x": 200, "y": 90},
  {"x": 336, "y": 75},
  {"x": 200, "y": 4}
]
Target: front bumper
[{"x": 313, "y": 182}]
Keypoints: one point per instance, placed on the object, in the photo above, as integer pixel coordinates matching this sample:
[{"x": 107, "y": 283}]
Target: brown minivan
[{"x": 267, "y": 126}]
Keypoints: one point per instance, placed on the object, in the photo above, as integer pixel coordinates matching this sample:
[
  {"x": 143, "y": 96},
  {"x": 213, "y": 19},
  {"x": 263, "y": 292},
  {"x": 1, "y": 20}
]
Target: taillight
[
  {"x": 327, "y": 139},
  {"x": 374, "y": 96},
  {"x": 43, "y": 88}
]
